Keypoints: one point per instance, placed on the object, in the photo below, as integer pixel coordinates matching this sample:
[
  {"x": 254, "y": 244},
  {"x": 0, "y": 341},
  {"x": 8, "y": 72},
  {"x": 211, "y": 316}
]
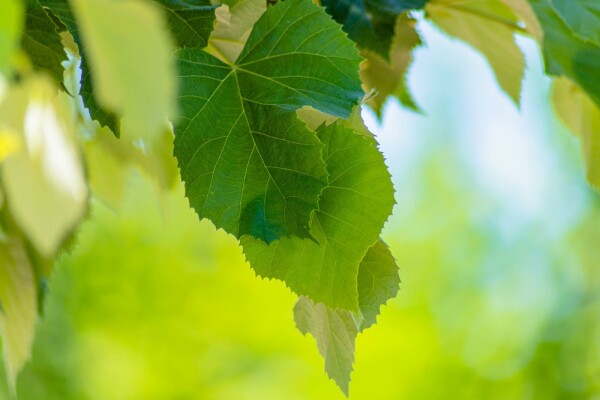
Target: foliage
[{"x": 263, "y": 103}]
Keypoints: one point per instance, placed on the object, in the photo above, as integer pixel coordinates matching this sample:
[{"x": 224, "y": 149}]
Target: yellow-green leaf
[
  {"x": 18, "y": 311},
  {"x": 132, "y": 63},
  {"x": 582, "y": 116},
  {"x": 44, "y": 182},
  {"x": 11, "y": 22},
  {"x": 489, "y": 27}
]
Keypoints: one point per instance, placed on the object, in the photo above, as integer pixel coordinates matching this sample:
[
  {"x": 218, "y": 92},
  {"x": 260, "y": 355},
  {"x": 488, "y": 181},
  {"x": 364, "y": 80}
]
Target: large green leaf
[
  {"x": 489, "y": 27},
  {"x": 335, "y": 330},
  {"x": 42, "y": 42},
  {"x": 582, "y": 116},
  {"x": 567, "y": 55},
  {"x": 44, "y": 182},
  {"x": 582, "y": 16},
  {"x": 352, "y": 211},
  {"x": 11, "y": 21},
  {"x": 119, "y": 58},
  {"x": 18, "y": 306},
  {"x": 190, "y": 22},
  {"x": 248, "y": 164},
  {"x": 370, "y": 23}
]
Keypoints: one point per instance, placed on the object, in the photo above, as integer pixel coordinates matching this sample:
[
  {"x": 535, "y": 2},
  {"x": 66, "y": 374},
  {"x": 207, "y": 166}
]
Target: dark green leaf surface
[
  {"x": 335, "y": 330},
  {"x": 352, "y": 211},
  {"x": 248, "y": 164},
  {"x": 41, "y": 40},
  {"x": 370, "y": 23},
  {"x": 582, "y": 16},
  {"x": 565, "y": 54},
  {"x": 190, "y": 22}
]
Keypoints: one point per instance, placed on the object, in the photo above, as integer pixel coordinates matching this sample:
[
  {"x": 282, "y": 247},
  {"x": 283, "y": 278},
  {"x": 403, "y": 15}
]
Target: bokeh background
[{"x": 496, "y": 233}]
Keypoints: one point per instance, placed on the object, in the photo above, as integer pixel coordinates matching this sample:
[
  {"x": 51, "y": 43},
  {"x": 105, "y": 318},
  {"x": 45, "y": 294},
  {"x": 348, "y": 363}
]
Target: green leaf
[
  {"x": 352, "y": 211},
  {"x": 119, "y": 58},
  {"x": 42, "y": 42},
  {"x": 335, "y": 330},
  {"x": 190, "y": 23},
  {"x": 582, "y": 117},
  {"x": 11, "y": 22},
  {"x": 248, "y": 164},
  {"x": 370, "y": 23},
  {"x": 378, "y": 282},
  {"x": 389, "y": 78},
  {"x": 234, "y": 24},
  {"x": 566, "y": 55},
  {"x": 582, "y": 16},
  {"x": 18, "y": 311},
  {"x": 489, "y": 27},
  {"x": 44, "y": 182}
]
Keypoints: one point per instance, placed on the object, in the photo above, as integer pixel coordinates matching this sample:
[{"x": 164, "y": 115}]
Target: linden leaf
[
  {"x": 248, "y": 164},
  {"x": 44, "y": 182},
  {"x": 335, "y": 330},
  {"x": 42, "y": 42},
  {"x": 370, "y": 23},
  {"x": 567, "y": 55},
  {"x": 190, "y": 24},
  {"x": 352, "y": 211},
  {"x": 119, "y": 56},
  {"x": 489, "y": 27},
  {"x": 582, "y": 116},
  {"x": 388, "y": 78},
  {"x": 18, "y": 307},
  {"x": 582, "y": 16}
]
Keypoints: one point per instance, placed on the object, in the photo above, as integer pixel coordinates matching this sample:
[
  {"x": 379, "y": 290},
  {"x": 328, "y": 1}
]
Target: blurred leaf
[
  {"x": 11, "y": 22},
  {"x": 119, "y": 58},
  {"x": 389, "y": 78},
  {"x": 335, "y": 331},
  {"x": 566, "y": 55},
  {"x": 109, "y": 161},
  {"x": 582, "y": 16},
  {"x": 523, "y": 10},
  {"x": 351, "y": 214},
  {"x": 235, "y": 20},
  {"x": 582, "y": 117},
  {"x": 42, "y": 42},
  {"x": 489, "y": 27},
  {"x": 191, "y": 24},
  {"x": 18, "y": 307},
  {"x": 249, "y": 165},
  {"x": 45, "y": 184}
]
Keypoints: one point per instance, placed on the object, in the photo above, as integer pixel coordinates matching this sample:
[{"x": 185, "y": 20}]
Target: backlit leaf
[
  {"x": 582, "y": 16},
  {"x": 18, "y": 307},
  {"x": 489, "y": 27},
  {"x": 582, "y": 117},
  {"x": 119, "y": 58},
  {"x": 11, "y": 21},
  {"x": 352, "y": 211},
  {"x": 44, "y": 182}
]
